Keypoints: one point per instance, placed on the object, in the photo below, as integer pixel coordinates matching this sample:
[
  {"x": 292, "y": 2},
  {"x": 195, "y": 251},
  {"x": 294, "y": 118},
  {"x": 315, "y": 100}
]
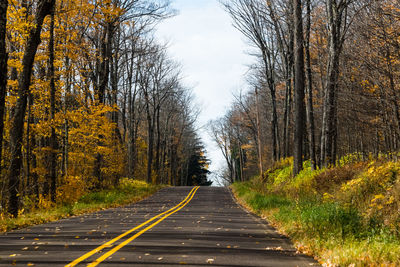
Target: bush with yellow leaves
[
  {"x": 375, "y": 192},
  {"x": 73, "y": 188}
]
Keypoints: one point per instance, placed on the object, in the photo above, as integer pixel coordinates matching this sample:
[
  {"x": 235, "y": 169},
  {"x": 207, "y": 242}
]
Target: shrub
[
  {"x": 330, "y": 179},
  {"x": 72, "y": 189}
]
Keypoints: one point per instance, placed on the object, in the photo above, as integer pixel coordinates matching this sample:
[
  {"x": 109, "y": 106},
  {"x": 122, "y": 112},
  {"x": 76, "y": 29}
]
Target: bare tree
[
  {"x": 310, "y": 107},
  {"x": 249, "y": 19},
  {"x": 338, "y": 24},
  {"x": 299, "y": 84}
]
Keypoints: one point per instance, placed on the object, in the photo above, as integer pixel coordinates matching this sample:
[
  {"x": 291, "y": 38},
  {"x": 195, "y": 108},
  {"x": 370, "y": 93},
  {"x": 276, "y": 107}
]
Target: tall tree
[
  {"x": 44, "y": 8},
  {"x": 53, "y": 136},
  {"x": 337, "y": 20},
  {"x": 310, "y": 107},
  {"x": 249, "y": 19},
  {"x": 299, "y": 86},
  {"x": 259, "y": 143},
  {"x": 3, "y": 68}
]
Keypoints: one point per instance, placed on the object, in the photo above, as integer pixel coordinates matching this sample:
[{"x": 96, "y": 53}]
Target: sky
[{"x": 212, "y": 54}]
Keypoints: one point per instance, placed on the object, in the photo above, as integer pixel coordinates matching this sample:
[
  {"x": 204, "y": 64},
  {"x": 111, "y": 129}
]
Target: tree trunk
[
  {"x": 150, "y": 153},
  {"x": 150, "y": 145},
  {"x": 275, "y": 126},
  {"x": 260, "y": 154},
  {"x": 158, "y": 145},
  {"x": 65, "y": 145},
  {"x": 31, "y": 157},
  {"x": 285, "y": 120},
  {"x": 131, "y": 134},
  {"x": 29, "y": 183},
  {"x": 329, "y": 131},
  {"x": 17, "y": 121},
  {"x": 310, "y": 108},
  {"x": 104, "y": 71},
  {"x": 104, "y": 74},
  {"x": 3, "y": 69},
  {"x": 53, "y": 137},
  {"x": 299, "y": 89},
  {"x": 114, "y": 76},
  {"x": 274, "y": 116}
]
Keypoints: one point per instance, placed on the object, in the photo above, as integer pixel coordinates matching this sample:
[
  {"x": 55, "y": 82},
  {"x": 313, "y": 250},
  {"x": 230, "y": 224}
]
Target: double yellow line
[{"x": 109, "y": 244}]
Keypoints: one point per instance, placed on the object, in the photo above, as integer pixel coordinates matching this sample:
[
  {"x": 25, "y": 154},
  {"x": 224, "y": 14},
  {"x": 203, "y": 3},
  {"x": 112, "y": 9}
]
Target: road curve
[{"x": 198, "y": 227}]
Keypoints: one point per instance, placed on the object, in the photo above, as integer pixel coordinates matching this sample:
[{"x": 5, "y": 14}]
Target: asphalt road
[{"x": 207, "y": 228}]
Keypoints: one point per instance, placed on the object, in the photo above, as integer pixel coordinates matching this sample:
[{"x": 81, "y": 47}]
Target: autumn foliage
[{"x": 104, "y": 101}]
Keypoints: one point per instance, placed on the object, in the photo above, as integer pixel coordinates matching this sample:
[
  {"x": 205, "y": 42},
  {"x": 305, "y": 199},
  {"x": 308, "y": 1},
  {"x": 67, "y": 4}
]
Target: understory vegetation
[
  {"x": 344, "y": 216},
  {"x": 128, "y": 191}
]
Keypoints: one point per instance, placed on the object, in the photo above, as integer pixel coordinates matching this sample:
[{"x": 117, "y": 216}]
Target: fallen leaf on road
[{"x": 273, "y": 248}]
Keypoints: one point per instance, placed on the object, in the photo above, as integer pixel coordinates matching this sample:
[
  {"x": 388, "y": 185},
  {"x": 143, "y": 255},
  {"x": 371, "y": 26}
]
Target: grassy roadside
[
  {"x": 345, "y": 216},
  {"x": 129, "y": 191}
]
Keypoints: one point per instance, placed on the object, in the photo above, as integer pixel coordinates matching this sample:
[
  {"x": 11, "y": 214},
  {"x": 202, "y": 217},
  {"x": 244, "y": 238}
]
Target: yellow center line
[
  {"x": 109, "y": 243},
  {"x": 115, "y": 249}
]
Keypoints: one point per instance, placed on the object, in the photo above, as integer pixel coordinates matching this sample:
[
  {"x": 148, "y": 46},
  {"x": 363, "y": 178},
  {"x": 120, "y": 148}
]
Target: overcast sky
[{"x": 212, "y": 52}]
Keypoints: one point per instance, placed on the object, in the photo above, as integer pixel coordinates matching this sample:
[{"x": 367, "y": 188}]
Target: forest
[
  {"x": 88, "y": 96},
  {"x": 312, "y": 143},
  {"x": 324, "y": 84}
]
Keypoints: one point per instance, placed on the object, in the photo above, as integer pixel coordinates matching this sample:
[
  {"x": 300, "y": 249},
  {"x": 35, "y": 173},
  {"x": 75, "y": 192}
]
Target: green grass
[
  {"x": 129, "y": 191},
  {"x": 333, "y": 229}
]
